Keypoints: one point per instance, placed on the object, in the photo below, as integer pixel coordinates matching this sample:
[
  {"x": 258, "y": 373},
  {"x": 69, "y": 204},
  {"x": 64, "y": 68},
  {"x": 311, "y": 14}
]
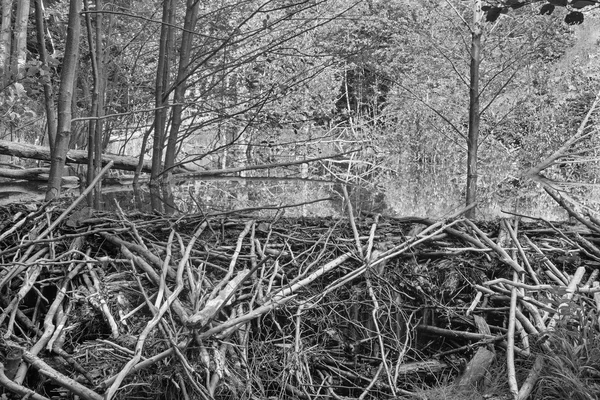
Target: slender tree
[
  {"x": 191, "y": 17},
  {"x": 20, "y": 43},
  {"x": 161, "y": 91},
  {"x": 65, "y": 99},
  {"x": 474, "y": 111},
  {"x": 5, "y": 42},
  {"x": 48, "y": 89}
]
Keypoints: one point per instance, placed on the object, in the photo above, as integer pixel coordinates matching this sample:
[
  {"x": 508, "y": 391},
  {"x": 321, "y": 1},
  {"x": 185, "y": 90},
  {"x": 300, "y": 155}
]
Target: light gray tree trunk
[{"x": 65, "y": 98}]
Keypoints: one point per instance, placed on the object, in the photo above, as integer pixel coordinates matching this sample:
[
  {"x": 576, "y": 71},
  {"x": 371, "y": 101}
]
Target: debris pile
[{"x": 226, "y": 306}]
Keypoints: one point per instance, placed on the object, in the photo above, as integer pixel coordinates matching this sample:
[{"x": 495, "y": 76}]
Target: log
[
  {"x": 33, "y": 174},
  {"x": 25, "y": 150}
]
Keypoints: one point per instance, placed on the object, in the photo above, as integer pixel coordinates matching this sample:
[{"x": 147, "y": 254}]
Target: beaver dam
[{"x": 100, "y": 305}]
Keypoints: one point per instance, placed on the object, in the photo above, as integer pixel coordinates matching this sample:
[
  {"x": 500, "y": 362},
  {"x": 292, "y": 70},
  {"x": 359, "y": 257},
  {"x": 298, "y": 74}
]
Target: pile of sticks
[{"x": 101, "y": 306}]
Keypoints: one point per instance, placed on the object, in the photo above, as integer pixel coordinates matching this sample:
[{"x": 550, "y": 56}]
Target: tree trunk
[
  {"x": 162, "y": 79},
  {"x": 5, "y": 42},
  {"x": 191, "y": 16},
  {"x": 20, "y": 44},
  {"x": 25, "y": 150},
  {"x": 65, "y": 97},
  {"x": 100, "y": 100},
  {"x": 95, "y": 125},
  {"x": 474, "y": 114},
  {"x": 48, "y": 90}
]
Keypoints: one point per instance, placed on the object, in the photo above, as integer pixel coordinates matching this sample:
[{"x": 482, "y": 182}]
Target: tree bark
[
  {"x": 20, "y": 44},
  {"x": 24, "y": 150},
  {"x": 162, "y": 79},
  {"x": 5, "y": 42},
  {"x": 48, "y": 90},
  {"x": 474, "y": 114},
  {"x": 191, "y": 16},
  {"x": 95, "y": 125},
  {"x": 65, "y": 97}
]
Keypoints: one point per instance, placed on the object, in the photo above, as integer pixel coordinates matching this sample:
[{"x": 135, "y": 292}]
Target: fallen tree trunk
[
  {"x": 33, "y": 174},
  {"x": 25, "y": 150}
]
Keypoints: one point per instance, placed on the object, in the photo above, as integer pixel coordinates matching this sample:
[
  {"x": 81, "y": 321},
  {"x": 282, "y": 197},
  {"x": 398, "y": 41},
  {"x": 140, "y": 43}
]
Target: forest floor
[{"x": 100, "y": 305}]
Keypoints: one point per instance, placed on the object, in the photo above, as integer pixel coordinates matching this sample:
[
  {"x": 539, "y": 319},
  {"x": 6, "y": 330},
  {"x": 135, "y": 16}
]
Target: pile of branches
[{"x": 226, "y": 306}]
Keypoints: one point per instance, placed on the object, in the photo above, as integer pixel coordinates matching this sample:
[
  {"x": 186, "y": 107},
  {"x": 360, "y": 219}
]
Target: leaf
[
  {"x": 516, "y": 5},
  {"x": 560, "y": 3},
  {"x": 20, "y": 89},
  {"x": 547, "y": 9},
  {"x": 579, "y": 4},
  {"x": 493, "y": 14},
  {"x": 574, "y": 18}
]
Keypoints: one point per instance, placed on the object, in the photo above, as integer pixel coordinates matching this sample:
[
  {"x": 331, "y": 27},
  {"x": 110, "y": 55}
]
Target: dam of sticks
[{"x": 97, "y": 305}]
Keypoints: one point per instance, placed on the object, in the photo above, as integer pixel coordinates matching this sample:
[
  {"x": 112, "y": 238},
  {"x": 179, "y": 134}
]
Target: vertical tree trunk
[
  {"x": 100, "y": 100},
  {"x": 20, "y": 44},
  {"x": 5, "y": 42},
  {"x": 95, "y": 125},
  {"x": 162, "y": 78},
  {"x": 65, "y": 97},
  {"x": 474, "y": 113},
  {"x": 91, "y": 139},
  {"x": 191, "y": 16},
  {"x": 48, "y": 90}
]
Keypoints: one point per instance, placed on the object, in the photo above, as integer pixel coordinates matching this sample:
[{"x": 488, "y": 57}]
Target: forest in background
[{"x": 378, "y": 91}]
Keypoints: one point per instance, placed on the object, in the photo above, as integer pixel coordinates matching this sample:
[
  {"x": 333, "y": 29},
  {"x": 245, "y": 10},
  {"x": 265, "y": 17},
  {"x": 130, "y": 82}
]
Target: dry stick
[
  {"x": 374, "y": 381},
  {"x": 534, "y": 172},
  {"x": 562, "y": 280},
  {"x": 131, "y": 366},
  {"x": 16, "y": 388},
  {"x": 588, "y": 247},
  {"x": 64, "y": 381},
  {"x": 532, "y": 378},
  {"x": 526, "y": 323},
  {"x": 570, "y": 210},
  {"x": 504, "y": 257},
  {"x": 25, "y": 263},
  {"x": 375, "y": 317},
  {"x": 141, "y": 250},
  {"x": 22, "y": 318},
  {"x": 515, "y": 240},
  {"x": 499, "y": 289},
  {"x": 523, "y": 334},
  {"x": 234, "y": 258},
  {"x": 154, "y": 278},
  {"x": 148, "y": 362},
  {"x": 567, "y": 296},
  {"x": 510, "y": 348},
  {"x": 103, "y": 306},
  {"x": 112, "y": 390},
  {"x": 30, "y": 279},
  {"x": 352, "y": 222},
  {"x": 383, "y": 258},
  {"x": 474, "y": 303},
  {"x": 591, "y": 279},
  {"x": 48, "y": 324},
  {"x": 278, "y": 298},
  {"x": 371, "y": 238}
]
